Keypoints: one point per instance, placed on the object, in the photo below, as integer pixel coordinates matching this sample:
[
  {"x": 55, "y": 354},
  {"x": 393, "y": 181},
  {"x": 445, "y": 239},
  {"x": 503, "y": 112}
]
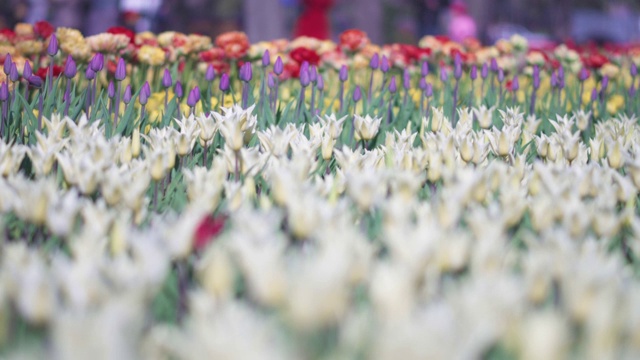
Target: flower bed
[{"x": 175, "y": 196}]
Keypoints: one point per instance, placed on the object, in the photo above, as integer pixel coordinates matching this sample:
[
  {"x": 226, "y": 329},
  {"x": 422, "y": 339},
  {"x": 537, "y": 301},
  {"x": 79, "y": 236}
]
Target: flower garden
[{"x": 173, "y": 196}]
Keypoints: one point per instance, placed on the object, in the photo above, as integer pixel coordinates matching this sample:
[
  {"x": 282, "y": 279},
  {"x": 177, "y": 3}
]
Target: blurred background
[{"x": 540, "y": 21}]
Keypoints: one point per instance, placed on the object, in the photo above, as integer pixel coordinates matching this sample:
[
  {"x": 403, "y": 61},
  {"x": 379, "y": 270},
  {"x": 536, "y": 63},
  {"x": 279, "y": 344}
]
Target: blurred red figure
[
  {"x": 314, "y": 21},
  {"x": 461, "y": 25}
]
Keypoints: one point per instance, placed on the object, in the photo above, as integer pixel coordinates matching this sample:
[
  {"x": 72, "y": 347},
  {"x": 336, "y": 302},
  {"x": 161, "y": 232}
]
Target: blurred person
[
  {"x": 461, "y": 25},
  {"x": 314, "y": 20},
  {"x": 429, "y": 13}
]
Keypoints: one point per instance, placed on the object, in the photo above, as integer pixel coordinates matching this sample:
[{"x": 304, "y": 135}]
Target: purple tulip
[
  {"x": 375, "y": 61},
  {"x": 393, "y": 87},
  {"x": 500, "y": 75},
  {"x": 35, "y": 81},
  {"x": 320, "y": 82},
  {"x": 271, "y": 82},
  {"x": 52, "y": 49},
  {"x": 515, "y": 84},
  {"x": 605, "y": 83},
  {"x": 224, "y": 82},
  {"x": 406, "y": 79},
  {"x": 457, "y": 67},
  {"x": 266, "y": 58},
  {"x": 428, "y": 92},
  {"x": 494, "y": 65},
  {"x": 97, "y": 62},
  {"x": 634, "y": 69},
  {"x": 121, "y": 70},
  {"x": 4, "y": 91},
  {"x": 424, "y": 69},
  {"x": 594, "y": 94},
  {"x": 13, "y": 73},
  {"x": 484, "y": 72},
  {"x": 313, "y": 74},
  {"x": 474, "y": 72},
  {"x": 111, "y": 90},
  {"x": 357, "y": 94},
  {"x": 278, "y": 66},
  {"x": 7, "y": 64},
  {"x": 246, "y": 72},
  {"x": 126, "y": 97},
  {"x": 584, "y": 74},
  {"x": 194, "y": 96},
  {"x": 304, "y": 76},
  {"x": 177, "y": 89},
  {"x": 70, "y": 68},
  {"x": 536, "y": 77},
  {"x": 146, "y": 89},
  {"x": 167, "y": 81},
  {"x": 554, "y": 79},
  {"x": 443, "y": 74},
  {"x": 344, "y": 73},
  {"x": 384, "y": 64},
  {"x": 26, "y": 70},
  {"x": 210, "y": 74},
  {"x": 422, "y": 84},
  {"x": 89, "y": 74}
]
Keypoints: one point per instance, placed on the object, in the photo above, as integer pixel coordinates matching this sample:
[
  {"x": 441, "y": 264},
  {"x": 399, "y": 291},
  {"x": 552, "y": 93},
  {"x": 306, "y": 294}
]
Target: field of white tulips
[{"x": 437, "y": 243}]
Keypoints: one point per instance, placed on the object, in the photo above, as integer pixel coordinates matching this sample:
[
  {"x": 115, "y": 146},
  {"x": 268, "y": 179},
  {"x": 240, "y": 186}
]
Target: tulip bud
[
  {"x": 224, "y": 82},
  {"x": 422, "y": 84},
  {"x": 111, "y": 90},
  {"x": 127, "y": 95},
  {"x": 474, "y": 72},
  {"x": 26, "y": 70},
  {"x": 304, "y": 77},
  {"x": 313, "y": 74},
  {"x": 457, "y": 67},
  {"x": 7, "y": 64},
  {"x": 70, "y": 68},
  {"x": 406, "y": 79},
  {"x": 89, "y": 74},
  {"x": 52, "y": 49},
  {"x": 594, "y": 94},
  {"x": 443, "y": 74},
  {"x": 375, "y": 61},
  {"x": 278, "y": 66},
  {"x": 605, "y": 83},
  {"x": 485, "y": 71},
  {"x": 246, "y": 72},
  {"x": 271, "y": 82},
  {"x": 97, "y": 62},
  {"x": 35, "y": 81},
  {"x": 500, "y": 75},
  {"x": 554, "y": 79},
  {"x": 584, "y": 74},
  {"x": 266, "y": 58},
  {"x": 392, "y": 85},
  {"x": 494, "y": 65},
  {"x": 320, "y": 83},
  {"x": 428, "y": 92},
  {"x": 178, "y": 89},
  {"x": 384, "y": 64},
  {"x": 424, "y": 69},
  {"x": 634, "y": 69},
  {"x": 13, "y": 73},
  {"x": 357, "y": 94},
  {"x": 536, "y": 77},
  {"x": 515, "y": 84},
  {"x": 194, "y": 96},
  {"x": 344, "y": 73},
  {"x": 167, "y": 81},
  {"x": 121, "y": 70},
  {"x": 143, "y": 97}
]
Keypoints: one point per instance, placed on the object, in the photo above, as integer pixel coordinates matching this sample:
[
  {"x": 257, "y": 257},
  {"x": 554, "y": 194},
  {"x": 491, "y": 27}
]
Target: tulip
[
  {"x": 343, "y": 75},
  {"x": 193, "y": 98},
  {"x": 4, "y": 97},
  {"x": 223, "y": 86},
  {"x": 278, "y": 66},
  {"x": 126, "y": 97},
  {"x": 167, "y": 82},
  {"x": 143, "y": 97},
  {"x": 246, "y": 74},
  {"x": 424, "y": 69},
  {"x": 7, "y": 64}
]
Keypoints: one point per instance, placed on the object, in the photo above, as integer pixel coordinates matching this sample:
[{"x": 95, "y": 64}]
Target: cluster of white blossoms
[{"x": 439, "y": 242}]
